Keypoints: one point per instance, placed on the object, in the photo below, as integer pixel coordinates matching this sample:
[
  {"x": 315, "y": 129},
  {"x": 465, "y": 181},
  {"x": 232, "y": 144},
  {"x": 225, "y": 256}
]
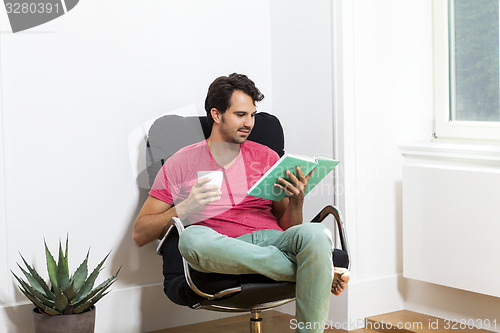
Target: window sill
[{"x": 453, "y": 150}]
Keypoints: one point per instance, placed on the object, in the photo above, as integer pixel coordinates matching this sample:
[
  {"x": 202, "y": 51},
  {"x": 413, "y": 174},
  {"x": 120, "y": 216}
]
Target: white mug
[{"x": 215, "y": 177}]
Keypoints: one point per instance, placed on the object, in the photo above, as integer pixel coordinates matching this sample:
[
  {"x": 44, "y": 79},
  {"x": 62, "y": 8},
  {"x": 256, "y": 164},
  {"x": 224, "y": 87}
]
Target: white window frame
[{"x": 443, "y": 126}]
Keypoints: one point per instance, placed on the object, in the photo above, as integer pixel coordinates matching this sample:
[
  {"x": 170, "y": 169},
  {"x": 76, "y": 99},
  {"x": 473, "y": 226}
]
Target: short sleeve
[{"x": 160, "y": 189}]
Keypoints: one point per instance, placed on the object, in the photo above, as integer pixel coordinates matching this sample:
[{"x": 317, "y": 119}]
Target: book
[{"x": 264, "y": 188}]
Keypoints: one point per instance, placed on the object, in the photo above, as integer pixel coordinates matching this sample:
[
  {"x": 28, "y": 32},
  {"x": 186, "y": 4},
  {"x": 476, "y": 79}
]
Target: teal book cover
[{"x": 264, "y": 188}]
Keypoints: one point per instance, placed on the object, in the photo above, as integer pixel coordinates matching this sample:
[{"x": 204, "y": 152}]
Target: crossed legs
[{"x": 301, "y": 254}]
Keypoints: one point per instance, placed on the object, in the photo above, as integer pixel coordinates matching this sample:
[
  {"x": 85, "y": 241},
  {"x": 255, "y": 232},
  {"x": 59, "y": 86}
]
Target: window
[{"x": 466, "y": 65}]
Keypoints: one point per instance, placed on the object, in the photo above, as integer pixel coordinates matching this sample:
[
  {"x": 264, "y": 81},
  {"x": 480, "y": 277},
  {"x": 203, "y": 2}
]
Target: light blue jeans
[{"x": 301, "y": 254}]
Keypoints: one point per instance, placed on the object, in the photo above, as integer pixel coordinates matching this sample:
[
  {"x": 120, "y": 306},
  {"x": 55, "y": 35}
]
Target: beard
[{"x": 232, "y": 135}]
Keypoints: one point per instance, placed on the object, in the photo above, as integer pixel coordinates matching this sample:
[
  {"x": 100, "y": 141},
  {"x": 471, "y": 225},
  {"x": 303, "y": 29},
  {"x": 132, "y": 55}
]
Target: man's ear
[{"x": 216, "y": 115}]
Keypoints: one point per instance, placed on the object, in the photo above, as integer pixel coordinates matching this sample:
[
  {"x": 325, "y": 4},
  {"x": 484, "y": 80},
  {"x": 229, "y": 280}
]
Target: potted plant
[{"x": 66, "y": 304}]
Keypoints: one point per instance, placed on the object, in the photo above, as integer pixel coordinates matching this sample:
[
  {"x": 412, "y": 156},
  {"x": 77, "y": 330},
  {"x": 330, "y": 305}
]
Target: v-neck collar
[{"x": 214, "y": 163}]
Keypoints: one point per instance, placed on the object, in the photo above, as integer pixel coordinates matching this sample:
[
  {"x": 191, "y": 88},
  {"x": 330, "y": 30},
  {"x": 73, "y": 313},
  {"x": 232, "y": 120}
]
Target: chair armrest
[
  {"x": 180, "y": 228},
  {"x": 332, "y": 210},
  {"x": 159, "y": 243}
]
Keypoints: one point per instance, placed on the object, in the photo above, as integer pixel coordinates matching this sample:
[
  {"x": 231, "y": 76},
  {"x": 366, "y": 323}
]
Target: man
[{"x": 232, "y": 233}]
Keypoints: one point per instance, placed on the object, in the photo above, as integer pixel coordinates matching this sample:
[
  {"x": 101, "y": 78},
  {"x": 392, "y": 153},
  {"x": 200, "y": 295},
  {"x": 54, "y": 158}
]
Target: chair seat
[
  {"x": 258, "y": 294},
  {"x": 255, "y": 289}
]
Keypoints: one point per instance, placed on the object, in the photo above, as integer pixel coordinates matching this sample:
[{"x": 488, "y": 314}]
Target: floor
[{"x": 276, "y": 322}]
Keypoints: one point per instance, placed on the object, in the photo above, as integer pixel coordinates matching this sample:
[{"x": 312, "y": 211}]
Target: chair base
[{"x": 256, "y": 322}]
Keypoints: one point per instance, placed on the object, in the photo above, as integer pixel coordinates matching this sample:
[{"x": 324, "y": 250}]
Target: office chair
[{"x": 211, "y": 291}]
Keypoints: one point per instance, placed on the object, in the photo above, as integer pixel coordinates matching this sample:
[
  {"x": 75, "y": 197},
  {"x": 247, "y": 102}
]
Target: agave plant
[{"x": 66, "y": 294}]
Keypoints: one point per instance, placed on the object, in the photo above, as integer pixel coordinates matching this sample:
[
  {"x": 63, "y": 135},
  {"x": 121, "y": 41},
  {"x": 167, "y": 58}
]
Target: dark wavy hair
[{"x": 221, "y": 90}]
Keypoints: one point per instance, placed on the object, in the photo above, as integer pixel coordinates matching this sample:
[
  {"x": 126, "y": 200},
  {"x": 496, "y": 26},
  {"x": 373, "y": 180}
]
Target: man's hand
[
  {"x": 288, "y": 210},
  {"x": 199, "y": 197},
  {"x": 295, "y": 190}
]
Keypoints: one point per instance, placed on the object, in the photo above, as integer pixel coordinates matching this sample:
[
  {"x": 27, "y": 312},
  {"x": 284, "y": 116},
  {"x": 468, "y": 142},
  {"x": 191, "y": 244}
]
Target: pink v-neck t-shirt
[{"x": 236, "y": 213}]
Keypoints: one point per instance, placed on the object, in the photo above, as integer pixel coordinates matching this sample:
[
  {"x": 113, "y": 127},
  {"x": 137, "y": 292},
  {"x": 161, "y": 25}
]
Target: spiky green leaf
[
  {"x": 39, "y": 304},
  {"x": 70, "y": 292},
  {"x": 90, "y": 303},
  {"x": 61, "y": 302},
  {"x": 32, "y": 291},
  {"x": 32, "y": 281},
  {"x": 110, "y": 280},
  {"x": 90, "y": 299},
  {"x": 51, "y": 268},
  {"x": 62, "y": 270},
  {"x": 66, "y": 254},
  {"x": 40, "y": 281},
  {"x": 80, "y": 274},
  {"x": 99, "y": 289},
  {"x": 89, "y": 283}
]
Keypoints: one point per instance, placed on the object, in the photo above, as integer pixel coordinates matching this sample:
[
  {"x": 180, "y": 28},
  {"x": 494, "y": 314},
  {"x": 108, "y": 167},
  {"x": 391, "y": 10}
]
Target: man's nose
[{"x": 249, "y": 121}]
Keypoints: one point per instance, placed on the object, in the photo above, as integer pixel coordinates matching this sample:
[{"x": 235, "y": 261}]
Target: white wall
[
  {"x": 385, "y": 97},
  {"x": 73, "y": 90},
  {"x": 389, "y": 48},
  {"x": 302, "y": 84},
  {"x": 385, "y": 100}
]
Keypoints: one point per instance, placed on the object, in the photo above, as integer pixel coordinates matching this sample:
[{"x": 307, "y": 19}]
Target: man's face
[{"x": 237, "y": 122}]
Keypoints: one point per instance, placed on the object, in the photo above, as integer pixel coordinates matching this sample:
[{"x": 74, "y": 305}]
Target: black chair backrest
[{"x": 170, "y": 133}]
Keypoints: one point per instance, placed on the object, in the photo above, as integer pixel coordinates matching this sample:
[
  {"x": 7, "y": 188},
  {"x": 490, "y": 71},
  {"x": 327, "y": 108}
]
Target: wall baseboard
[{"x": 371, "y": 297}]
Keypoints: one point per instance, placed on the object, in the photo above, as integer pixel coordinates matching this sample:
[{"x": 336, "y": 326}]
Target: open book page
[{"x": 324, "y": 166}]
